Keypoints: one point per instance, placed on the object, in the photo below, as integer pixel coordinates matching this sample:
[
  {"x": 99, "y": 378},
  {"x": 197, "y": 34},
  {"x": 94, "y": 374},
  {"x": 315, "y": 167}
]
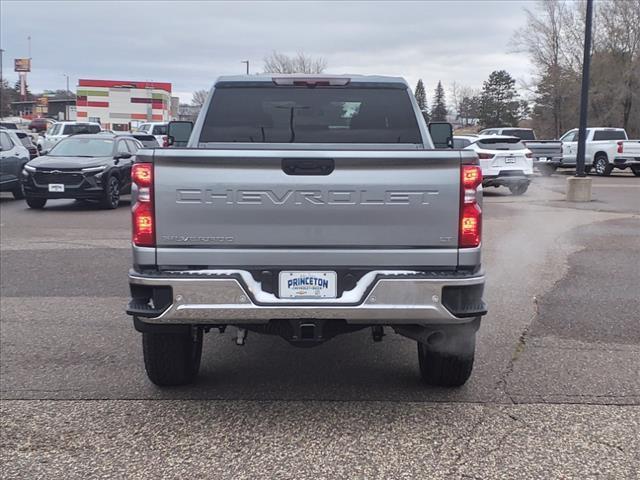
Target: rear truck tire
[
  {"x": 546, "y": 170},
  {"x": 601, "y": 166},
  {"x": 636, "y": 171},
  {"x": 448, "y": 362},
  {"x": 18, "y": 192},
  {"x": 518, "y": 188},
  {"x": 171, "y": 358},
  {"x": 111, "y": 196},
  {"x": 37, "y": 203}
]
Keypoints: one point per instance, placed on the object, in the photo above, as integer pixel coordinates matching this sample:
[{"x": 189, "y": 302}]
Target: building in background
[
  {"x": 122, "y": 105},
  {"x": 55, "y": 108}
]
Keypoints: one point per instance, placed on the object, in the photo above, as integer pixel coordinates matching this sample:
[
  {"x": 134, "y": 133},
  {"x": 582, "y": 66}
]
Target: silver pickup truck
[{"x": 307, "y": 207}]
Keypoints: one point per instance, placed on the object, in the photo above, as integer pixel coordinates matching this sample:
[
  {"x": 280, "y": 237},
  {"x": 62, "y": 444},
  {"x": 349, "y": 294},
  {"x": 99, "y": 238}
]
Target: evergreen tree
[
  {"x": 421, "y": 95},
  {"x": 16, "y": 87},
  {"x": 499, "y": 103},
  {"x": 439, "y": 109}
]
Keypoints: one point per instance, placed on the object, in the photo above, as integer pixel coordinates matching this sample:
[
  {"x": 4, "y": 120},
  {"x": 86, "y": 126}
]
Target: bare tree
[
  {"x": 545, "y": 40},
  {"x": 300, "y": 63},
  {"x": 199, "y": 97},
  {"x": 619, "y": 56}
]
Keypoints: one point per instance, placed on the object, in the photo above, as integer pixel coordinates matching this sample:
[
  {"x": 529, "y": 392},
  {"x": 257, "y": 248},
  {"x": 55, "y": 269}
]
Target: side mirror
[
  {"x": 122, "y": 156},
  {"x": 44, "y": 152},
  {"x": 178, "y": 133},
  {"x": 441, "y": 134}
]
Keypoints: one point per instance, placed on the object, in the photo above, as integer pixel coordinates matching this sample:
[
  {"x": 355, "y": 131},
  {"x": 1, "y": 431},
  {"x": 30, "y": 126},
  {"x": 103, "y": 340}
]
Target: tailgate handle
[{"x": 308, "y": 166}]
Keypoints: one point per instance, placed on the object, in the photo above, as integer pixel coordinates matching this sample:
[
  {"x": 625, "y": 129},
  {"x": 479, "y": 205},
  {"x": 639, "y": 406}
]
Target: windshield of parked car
[
  {"x": 9, "y": 125},
  {"x": 83, "y": 147},
  {"x": 285, "y": 114},
  {"x": 499, "y": 143},
  {"x": 521, "y": 134}
]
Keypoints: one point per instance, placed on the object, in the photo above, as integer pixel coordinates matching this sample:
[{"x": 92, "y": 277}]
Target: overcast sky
[{"x": 190, "y": 43}]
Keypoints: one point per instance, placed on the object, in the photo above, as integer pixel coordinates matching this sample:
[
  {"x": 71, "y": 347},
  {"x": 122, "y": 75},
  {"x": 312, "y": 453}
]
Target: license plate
[
  {"x": 56, "y": 187},
  {"x": 542, "y": 159},
  {"x": 510, "y": 160},
  {"x": 308, "y": 284}
]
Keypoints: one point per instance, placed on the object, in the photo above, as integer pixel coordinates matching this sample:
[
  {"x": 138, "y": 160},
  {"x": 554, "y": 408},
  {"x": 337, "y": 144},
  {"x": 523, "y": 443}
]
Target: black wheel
[
  {"x": 37, "y": 203},
  {"x": 111, "y": 197},
  {"x": 547, "y": 170},
  {"x": 636, "y": 171},
  {"x": 449, "y": 362},
  {"x": 172, "y": 358},
  {"x": 601, "y": 166},
  {"x": 18, "y": 192},
  {"x": 518, "y": 188}
]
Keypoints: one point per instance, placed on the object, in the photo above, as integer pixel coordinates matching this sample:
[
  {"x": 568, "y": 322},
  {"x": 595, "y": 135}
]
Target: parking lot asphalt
[{"x": 555, "y": 392}]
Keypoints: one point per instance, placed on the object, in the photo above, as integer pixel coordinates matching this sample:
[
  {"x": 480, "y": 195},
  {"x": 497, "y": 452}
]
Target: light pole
[
  {"x": 65, "y": 75},
  {"x": 247, "y": 62},
  {"x": 579, "y": 187},
  {"x": 584, "y": 94}
]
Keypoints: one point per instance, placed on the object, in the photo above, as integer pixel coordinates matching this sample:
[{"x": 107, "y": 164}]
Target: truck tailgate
[{"x": 306, "y": 199}]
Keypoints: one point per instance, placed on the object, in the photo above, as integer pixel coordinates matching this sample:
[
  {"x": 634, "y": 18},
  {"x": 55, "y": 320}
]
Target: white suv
[
  {"x": 158, "y": 130},
  {"x": 62, "y": 130},
  {"x": 505, "y": 161}
]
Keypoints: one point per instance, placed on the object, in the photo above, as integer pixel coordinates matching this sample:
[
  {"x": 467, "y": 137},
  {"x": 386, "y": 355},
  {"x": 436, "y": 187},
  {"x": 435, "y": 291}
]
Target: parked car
[
  {"x": 13, "y": 156},
  {"x": 158, "y": 130},
  {"x": 601, "y": 148},
  {"x": 40, "y": 124},
  {"x": 356, "y": 222},
  {"x": 62, "y": 130},
  {"x": 9, "y": 125},
  {"x": 628, "y": 155},
  {"x": 83, "y": 167},
  {"x": 505, "y": 161},
  {"x": 547, "y": 154}
]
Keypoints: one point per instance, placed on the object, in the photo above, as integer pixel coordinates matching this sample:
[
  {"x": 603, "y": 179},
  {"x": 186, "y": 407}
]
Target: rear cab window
[
  {"x": 159, "y": 130},
  {"x": 609, "y": 135},
  {"x": 521, "y": 134},
  {"x": 147, "y": 140},
  {"x": 501, "y": 144},
  {"x": 80, "y": 128},
  {"x": 300, "y": 114}
]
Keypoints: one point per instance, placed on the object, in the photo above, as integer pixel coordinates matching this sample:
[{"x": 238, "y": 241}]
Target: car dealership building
[{"x": 121, "y": 105}]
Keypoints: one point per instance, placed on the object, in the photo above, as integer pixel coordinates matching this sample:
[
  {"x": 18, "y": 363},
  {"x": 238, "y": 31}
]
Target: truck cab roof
[{"x": 339, "y": 79}]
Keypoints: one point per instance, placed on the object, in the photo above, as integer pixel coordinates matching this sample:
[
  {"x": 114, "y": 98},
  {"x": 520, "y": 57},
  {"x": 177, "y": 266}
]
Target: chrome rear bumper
[{"x": 380, "y": 297}]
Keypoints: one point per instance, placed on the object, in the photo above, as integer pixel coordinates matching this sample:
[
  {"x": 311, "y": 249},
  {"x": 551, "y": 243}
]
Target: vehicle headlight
[
  {"x": 94, "y": 169},
  {"x": 28, "y": 169}
]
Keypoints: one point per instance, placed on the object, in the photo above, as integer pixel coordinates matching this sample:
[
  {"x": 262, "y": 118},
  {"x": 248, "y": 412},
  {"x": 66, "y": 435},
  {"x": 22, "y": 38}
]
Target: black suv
[{"x": 82, "y": 167}]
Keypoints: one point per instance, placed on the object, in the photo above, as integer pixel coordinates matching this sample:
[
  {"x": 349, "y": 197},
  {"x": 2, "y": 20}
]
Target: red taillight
[
  {"x": 620, "y": 147},
  {"x": 142, "y": 174},
  {"x": 143, "y": 232},
  {"x": 485, "y": 156},
  {"x": 470, "y": 232},
  {"x": 528, "y": 155},
  {"x": 471, "y": 176}
]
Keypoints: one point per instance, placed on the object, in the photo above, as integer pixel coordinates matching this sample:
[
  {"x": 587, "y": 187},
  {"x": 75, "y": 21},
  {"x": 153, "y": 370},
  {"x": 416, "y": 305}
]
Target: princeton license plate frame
[
  {"x": 311, "y": 285},
  {"x": 56, "y": 187}
]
